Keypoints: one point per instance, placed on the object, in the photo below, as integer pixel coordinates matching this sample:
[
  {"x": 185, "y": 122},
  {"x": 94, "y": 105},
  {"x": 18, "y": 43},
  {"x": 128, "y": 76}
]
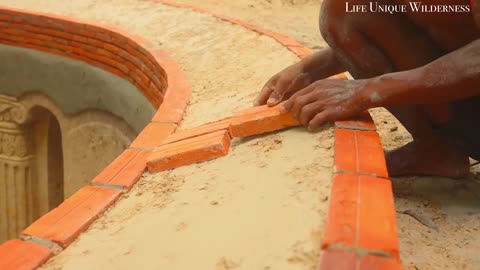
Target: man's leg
[{"x": 385, "y": 43}]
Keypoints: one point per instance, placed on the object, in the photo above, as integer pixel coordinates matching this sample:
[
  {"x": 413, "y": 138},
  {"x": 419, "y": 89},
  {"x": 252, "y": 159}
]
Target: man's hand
[
  {"x": 317, "y": 66},
  {"x": 327, "y": 100},
  {"x": 283, "y": 85}
]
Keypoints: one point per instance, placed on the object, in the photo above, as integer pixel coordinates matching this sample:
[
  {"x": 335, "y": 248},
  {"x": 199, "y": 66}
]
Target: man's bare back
[{"x": 424, "y": 67}]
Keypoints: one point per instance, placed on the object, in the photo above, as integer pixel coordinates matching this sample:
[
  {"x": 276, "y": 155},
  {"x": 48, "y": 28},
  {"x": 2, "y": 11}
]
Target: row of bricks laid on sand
[
  {"x": 212, "y": 140},
  {"x": 293, "y": 45},
  {"x": 360, "y": 230},
  {"x": 108, "y": 48}
]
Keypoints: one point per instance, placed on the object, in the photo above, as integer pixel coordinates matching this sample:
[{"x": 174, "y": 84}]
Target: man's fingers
[
  {"x": 301, "y": 102},
  {"x": 264, "y": 95},
  {"x": 280, "y": 88},
  {"x": 319, "y": 119},
  {"x": 275, "y": 98},
  {"x": 308, "y": 112},
  {"x": 288, "y": 105}
]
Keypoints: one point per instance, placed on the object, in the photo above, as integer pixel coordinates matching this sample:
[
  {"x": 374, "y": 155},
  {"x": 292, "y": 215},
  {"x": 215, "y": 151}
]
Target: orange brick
[
  {"x": 256, "y": 110},
  {"x": 198, "y": 131},
  {"x": 261, "y": 120},
  {"x": 173, "y": 106},
  {"x": 341, "y": 222},
  {"x": 359, "y": 151},
  {"x": 376, "y": 216},
  {"x": 361, "y": 214},
  {"x": 189, "y": 151},
  {"x": 115, "y": 166},
  {"x": 178, "y": 90},
  {"x": 20, "y": 255},
  {"x": 286, "y": 41},
  {"x": 124, "y": 171},
  {"x": 153, "y": 135},
  {"x": 370, "y": 262},
  {"x": 338, "y": 260},
  {"x": 363, "y": 121},
  {"x": 64, "y": 223},
  {"x": 300, "y": 51},
  {"x": 132, "y": 172}
]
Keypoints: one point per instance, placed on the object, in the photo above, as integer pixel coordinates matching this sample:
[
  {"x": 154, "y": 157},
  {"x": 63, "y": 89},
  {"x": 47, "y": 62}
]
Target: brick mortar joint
[
  {"x": 360, "y": 252},
  {"x": 337, "y": 172},
  {"x": 108, "y": 185},
  {"x": 54, "y": 247}
]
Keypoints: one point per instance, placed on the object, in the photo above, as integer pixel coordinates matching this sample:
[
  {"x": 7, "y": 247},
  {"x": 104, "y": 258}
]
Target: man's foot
[{"x": 430, "y": 157}]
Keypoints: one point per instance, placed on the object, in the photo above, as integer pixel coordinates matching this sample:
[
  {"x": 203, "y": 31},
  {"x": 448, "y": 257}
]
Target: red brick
[
  {"x": 126, "y": 170},
  {"x": 132, "y": 172},
  {"x": 4, "y": 17},
  {"x": 177, "y": 93},
  {"x": 63, "y": 224},
  {"x": 338, "y": 260},
  {"x": 267, "y": 120},
  {"x": 20, "y": 255},
  {"x": 363, "y": 121},
  {"x": 341, "y": 222},
  {"x": 253, "y": 110},
  {"x": 153, "y": 135},
  {"x": 370, "y": 262},
  {"x": 300, "y": 51},
  {"x": 376, "y": 216},
  {"x": 115, "y": 166},
  {"x": 284, "y": 40},
  {"x": 105, "y": 36},
  {"x": 198, "y": 131},
  {"x": 175, "y": 75},
  {"x": 361, "y": 214},
  {"x": 189, "y": 151},
  {"x": 173, "y": 106},
  {"x": 359, "y": 151}
]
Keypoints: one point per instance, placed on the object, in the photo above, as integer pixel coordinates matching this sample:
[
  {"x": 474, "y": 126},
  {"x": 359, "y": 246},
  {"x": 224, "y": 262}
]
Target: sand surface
[{"x": 261, "y": 207}]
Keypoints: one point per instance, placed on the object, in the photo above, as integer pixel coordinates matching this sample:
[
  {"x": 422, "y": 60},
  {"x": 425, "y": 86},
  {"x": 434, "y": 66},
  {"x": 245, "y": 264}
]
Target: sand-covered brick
[
  {"x": 189, "y": 151},
  {"x": 261, "y": 120}
]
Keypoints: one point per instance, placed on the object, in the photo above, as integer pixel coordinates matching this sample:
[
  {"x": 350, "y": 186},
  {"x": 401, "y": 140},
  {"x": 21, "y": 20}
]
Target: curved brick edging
[
  {"x": 291, "y": 44},
  {"x": 360, "y": 228},
  {"x": 106, "y": 47},
  {"x": 117, "y": 52}
]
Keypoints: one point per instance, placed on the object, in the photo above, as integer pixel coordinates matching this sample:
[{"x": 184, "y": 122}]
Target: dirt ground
[{"x": 176, "y": 202}]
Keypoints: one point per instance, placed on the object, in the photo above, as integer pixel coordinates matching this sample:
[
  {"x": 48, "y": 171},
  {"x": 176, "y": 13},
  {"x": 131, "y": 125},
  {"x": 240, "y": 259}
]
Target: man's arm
[{"x": 452, "y": 77}]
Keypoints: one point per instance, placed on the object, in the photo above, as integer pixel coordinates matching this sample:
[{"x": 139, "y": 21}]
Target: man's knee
[{"x": 333, "y": 21}]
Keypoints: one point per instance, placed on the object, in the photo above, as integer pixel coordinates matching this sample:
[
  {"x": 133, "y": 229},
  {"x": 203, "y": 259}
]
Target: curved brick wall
[{"x": 109, "y": 49}]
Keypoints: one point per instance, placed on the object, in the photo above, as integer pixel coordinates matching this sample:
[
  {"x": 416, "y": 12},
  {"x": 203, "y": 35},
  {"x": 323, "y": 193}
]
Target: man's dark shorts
[{"x": 463, "y": 128}]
